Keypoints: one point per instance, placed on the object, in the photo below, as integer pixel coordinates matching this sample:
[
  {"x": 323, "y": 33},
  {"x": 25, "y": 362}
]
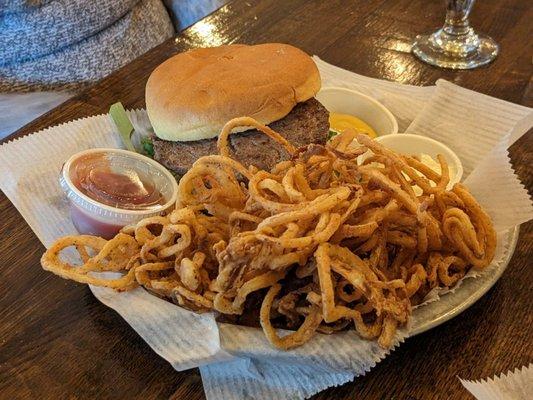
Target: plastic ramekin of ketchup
[{"x": 110, "y": 188}]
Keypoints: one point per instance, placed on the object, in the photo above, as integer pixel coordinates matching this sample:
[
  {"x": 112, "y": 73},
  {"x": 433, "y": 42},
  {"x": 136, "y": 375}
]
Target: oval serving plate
[{"x": 454, "y": 303}]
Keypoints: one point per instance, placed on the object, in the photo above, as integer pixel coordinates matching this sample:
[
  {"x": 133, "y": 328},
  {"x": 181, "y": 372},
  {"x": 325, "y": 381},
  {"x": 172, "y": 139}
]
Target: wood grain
[{"x": 58, "y": 342}]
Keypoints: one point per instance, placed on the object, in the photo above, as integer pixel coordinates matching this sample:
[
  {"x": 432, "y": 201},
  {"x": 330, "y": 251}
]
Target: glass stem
[
  {"x": 456, "y": 45},
  {"x": 457, "y": 12}
]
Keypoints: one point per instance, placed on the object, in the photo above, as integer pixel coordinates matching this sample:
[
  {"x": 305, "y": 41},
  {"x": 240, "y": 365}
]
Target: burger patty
[{"x": 306, "y": 123}]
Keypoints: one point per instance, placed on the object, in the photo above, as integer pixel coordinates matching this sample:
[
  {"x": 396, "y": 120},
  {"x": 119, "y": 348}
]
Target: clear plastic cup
[{"x": 92, "y": 217}]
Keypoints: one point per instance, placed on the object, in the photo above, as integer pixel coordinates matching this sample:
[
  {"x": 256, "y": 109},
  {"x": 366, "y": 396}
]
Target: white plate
[{"x": 454, "y": 303}]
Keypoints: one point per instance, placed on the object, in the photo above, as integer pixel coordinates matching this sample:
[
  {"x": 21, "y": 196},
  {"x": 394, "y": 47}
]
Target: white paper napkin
[{"x": 516, "y": 385}]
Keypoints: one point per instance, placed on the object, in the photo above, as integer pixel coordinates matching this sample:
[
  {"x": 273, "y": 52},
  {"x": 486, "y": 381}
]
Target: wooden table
[{"x": 57, "y": 341}]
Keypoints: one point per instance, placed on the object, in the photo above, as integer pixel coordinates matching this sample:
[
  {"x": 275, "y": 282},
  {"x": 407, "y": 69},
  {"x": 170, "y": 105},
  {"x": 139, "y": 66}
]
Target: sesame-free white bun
[{"x": 193, "y": 94}]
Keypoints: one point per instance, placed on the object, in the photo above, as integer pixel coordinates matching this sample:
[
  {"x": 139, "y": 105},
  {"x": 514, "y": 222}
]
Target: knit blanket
[{"x": 67, "y": 44}]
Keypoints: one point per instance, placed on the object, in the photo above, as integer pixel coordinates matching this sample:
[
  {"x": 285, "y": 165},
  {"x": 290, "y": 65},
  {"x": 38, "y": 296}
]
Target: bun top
[{"x": 193, "y": 94}]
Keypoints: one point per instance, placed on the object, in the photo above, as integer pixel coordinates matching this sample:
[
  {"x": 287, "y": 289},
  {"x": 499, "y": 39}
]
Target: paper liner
[
  {"x": 516, "y": 385},
  {"x": 183, "y": 338},
  {"x": 470, "y": 123},
  {"x": 508, "y": 205},
  {"x": 29, "y": 170},
  {"x": 247, "y": 379},
  {"x": 324, "y": 362}
]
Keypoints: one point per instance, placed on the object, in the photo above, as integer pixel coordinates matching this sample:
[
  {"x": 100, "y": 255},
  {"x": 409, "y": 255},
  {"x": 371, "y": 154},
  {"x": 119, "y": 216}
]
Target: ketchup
[
  {"x": 88, "y": 225},
  {"x": 124, "y": 188},
  {"x": 108, "y": 189}
]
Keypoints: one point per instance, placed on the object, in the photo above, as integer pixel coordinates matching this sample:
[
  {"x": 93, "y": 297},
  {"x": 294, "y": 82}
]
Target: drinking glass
[{"x": 456, "y": 45}]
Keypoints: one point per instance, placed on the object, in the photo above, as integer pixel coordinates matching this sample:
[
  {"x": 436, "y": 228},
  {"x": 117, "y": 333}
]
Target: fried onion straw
[
  {"x": 322, "y": 242},
  {"x": 222, "y": 143}
]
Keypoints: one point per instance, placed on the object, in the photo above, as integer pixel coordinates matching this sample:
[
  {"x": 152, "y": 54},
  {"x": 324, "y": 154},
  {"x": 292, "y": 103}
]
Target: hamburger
[{"x": 192, "y": 95}]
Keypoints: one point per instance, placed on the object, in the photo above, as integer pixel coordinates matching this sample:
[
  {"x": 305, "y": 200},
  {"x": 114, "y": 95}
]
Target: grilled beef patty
[{"x": 306, "y": 123}]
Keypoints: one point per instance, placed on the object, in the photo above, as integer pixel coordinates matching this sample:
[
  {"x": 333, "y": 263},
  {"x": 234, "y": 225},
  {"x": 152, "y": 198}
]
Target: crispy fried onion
[{"x": 327, "y": 243}]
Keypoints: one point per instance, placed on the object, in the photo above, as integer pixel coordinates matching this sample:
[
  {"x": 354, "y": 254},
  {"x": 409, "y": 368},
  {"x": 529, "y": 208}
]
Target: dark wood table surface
[{"x": 58, "y": 342}]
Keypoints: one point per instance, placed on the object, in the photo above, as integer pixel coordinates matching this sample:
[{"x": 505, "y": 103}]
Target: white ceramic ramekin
[
  {"x": 359, "y": 105},
  {"x": 410, "y": 144}
]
